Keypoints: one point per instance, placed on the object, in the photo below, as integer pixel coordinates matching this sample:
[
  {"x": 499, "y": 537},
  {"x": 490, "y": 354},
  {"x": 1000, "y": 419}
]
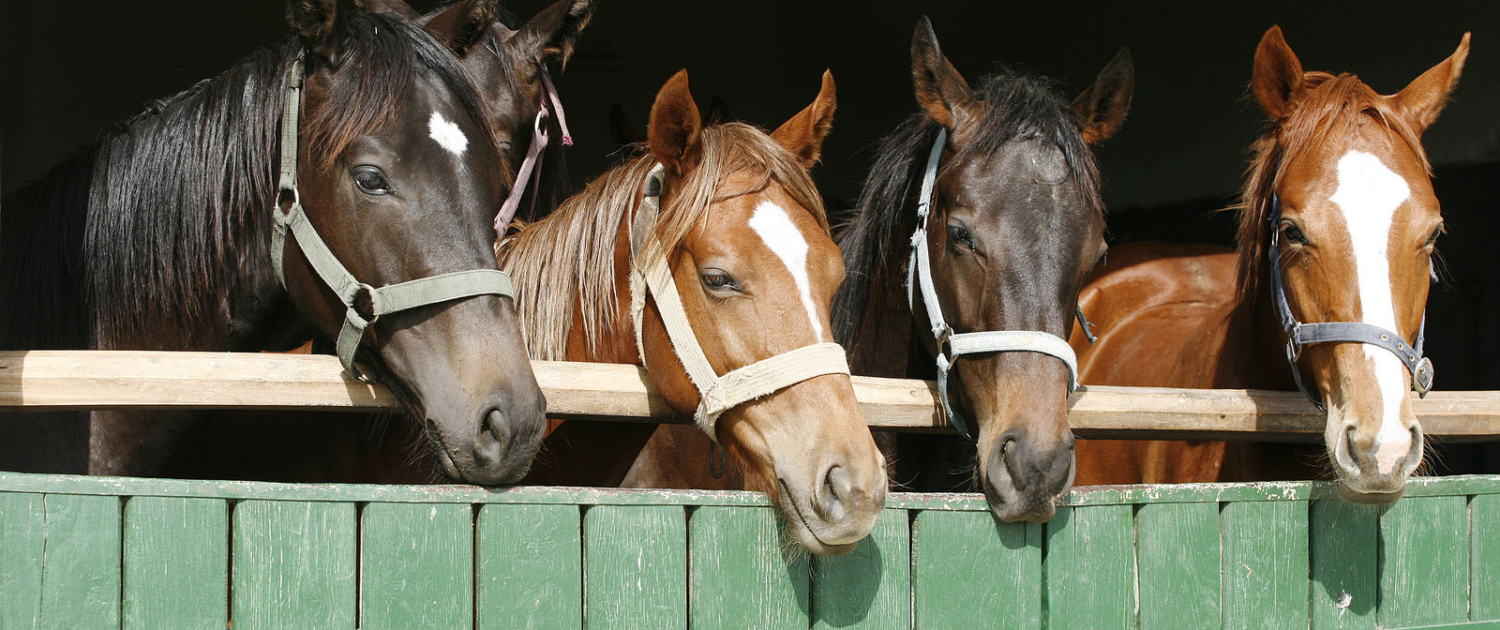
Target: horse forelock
[
  {"x": 1014, "y": 106},
  {"x": 567, "y": 260},
  {"x": 1330, "y": 107}
]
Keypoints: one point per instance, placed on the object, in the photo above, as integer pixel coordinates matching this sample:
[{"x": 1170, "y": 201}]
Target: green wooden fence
[{"x": 80, "y": 552}]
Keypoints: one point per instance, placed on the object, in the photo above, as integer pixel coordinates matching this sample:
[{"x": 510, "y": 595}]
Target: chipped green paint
[{"x": 1266, "y": 556}]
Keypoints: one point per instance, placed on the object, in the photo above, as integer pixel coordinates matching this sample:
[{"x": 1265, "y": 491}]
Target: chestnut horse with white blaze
[
  {"x": 708, "y": 260},
  {"x": 1338, "y": 225}
]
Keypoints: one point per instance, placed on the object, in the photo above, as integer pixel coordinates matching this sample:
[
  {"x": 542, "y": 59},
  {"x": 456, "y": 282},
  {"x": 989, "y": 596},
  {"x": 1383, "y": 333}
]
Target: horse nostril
[
  {"x": 831, "y": 493},
  {"x": 1349, "y": 447},
  {"x": 489, "y": 445}
]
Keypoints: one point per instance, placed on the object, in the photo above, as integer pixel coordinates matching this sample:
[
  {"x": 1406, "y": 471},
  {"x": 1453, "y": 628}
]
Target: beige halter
[{"x": 717, "y": 394}]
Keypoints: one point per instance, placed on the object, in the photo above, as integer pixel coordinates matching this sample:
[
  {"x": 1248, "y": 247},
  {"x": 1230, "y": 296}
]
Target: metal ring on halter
[
  {"x": 373, "y": 295},
  {"x": 363, "y": 376}
]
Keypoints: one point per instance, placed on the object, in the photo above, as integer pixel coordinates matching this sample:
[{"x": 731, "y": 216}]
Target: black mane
[
  {"x": 1017, "y": 107},
  {"x": 166, "y": 219}
]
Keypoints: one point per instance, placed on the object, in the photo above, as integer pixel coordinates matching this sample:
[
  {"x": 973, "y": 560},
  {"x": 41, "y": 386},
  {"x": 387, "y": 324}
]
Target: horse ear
[
  {"x": 462, "y": 25},
  {"x": 552, "y": 34},
  {"x": 803, "y": 135},
  {"x": 317, "y": 21},
  {"x": 395, "y": 7},
  {"x": 1424, "y": 98},
  {"x": 941, "y": 90},
  {"x": 1102, "y": 107},
  {"x": 1277, "y": 78},
  {"x": 675, "y": 126}
]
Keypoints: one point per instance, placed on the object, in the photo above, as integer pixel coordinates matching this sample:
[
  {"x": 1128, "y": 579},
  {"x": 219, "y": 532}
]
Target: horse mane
[
  {"x": 169, "y": 209},
  {"x": 1330, "y": 106},
  {"x": 1015, "y": 107},
  {"x": 567, "y": 260}
]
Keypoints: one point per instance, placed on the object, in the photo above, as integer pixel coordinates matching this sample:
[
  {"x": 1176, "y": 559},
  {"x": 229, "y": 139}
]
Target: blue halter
[{"x": 1300, "y": 335}]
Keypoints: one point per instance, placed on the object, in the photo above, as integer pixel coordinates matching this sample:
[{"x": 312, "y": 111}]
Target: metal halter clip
[{"x": 1421, "y": 378}]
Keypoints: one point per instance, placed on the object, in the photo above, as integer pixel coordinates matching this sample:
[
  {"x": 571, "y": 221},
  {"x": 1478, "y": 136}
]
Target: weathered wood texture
[
  {"x": 1282, "y": 555},
  {"x": 63, "y": 380}
]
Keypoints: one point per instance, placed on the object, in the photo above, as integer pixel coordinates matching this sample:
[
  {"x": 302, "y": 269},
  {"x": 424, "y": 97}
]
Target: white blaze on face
[
  {"x": 772, "y": 224},
  {"x": 447, "y": 134},
  {"x": 1369, "y": 194}
]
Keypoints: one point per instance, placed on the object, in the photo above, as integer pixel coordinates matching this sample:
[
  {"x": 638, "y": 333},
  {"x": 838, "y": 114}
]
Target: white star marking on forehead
[
  {"x": 772, "y": 224},
  {"x": 447, "y": 134},
  {"x": 1369, "y": 193}
]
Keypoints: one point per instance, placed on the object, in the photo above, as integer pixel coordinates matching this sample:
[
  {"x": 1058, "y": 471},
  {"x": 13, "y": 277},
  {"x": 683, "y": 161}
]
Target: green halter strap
[{"x": 389, "y": 299}]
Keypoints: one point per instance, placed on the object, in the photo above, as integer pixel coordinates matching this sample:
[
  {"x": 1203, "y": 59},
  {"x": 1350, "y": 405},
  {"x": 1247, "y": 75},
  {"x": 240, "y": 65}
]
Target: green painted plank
[
  {"x": 355, "y": 493},
  {"x": 294, "y": 565},
  {"x": 635, "y": 567},
  {"x": 1484, "y": 558},
  {"x": 23, "y": 526},
  {"x": 176, "y": 563},
  {"x": 868, "y": 588},
  {"x": 530, "y": 567},
  {"x": 1343, "y": 548},
  {"x": 1089, "y": 568},
  {"x": 81, "y": 570},
  {"x": 971, "y": 570},
  {"x": 416, "y": 567},
  {"x": 742, "y": 573},
  {"x": 1265, "y": 566},
  {"x": 1424, "y": 568},
  {"x": 1178, "y": 560}
]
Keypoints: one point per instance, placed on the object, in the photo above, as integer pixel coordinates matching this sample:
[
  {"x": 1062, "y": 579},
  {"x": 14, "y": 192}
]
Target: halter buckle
[
  {"x": 944, "y": 336},
  {"x": 1293, "y": 350},
  {"x": 1422, "y": 376}
]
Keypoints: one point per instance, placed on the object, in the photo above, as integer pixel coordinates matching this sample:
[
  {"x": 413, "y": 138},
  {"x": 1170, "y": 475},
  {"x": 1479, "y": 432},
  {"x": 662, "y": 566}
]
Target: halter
[
  {"x": 950, "y": 346},
  {"x": 649, "y": 273},
  {"x": 1299, "y": 335},
  {"x": 531, "y": 167},
  {"x": 403, "y": 296}
]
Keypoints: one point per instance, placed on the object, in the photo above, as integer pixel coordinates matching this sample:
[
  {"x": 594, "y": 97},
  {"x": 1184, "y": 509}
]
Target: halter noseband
[
  {"x": 398, "y": 297},
  {"x": 950, "y": 346},
  {"x": 649, "y": 273},
  {"x": 1300, "y": 335}
]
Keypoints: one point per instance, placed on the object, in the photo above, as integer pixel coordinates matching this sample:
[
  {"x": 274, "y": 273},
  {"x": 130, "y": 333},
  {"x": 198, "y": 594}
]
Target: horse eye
[
  {"x": 1103, "y": 259},
  {"x": 1293, "y": 234},
  {"x": 717, "y": 279},
  {"x": 1432, "y": 240},
  {"x": 960, "y": 234},
  {"x": 371, "y": 181}
]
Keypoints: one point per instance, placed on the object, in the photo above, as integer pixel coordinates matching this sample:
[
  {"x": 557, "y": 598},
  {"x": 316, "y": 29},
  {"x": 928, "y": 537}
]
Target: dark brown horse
[
  {"x": 1016, "y": 223},
  {"x": 741, "y": 237},
  {"x": 161, "y": 236},
  {"x": 1340, "y": 185}
]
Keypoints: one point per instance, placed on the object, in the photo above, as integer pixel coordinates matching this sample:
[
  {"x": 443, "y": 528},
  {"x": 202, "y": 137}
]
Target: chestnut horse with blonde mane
[
  {"x": 747, "y": 246},
  {"x": 1341, "y": 185}
]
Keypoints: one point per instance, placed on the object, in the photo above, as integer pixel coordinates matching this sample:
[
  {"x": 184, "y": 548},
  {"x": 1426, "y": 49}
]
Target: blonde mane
[
  {"x": 568, "y": 258},
  {"x": 1330, "y": 107}
]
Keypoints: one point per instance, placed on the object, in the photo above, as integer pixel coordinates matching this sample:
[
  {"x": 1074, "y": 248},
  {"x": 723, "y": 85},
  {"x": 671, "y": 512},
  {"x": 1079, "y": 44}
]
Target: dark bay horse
[
  {"x": 1339, "y": 187},
  {"x": 507, "y": 64},
  {"x": 726, "y": 219},
  {"x": 1018, "y": 223},
  {"x": 161, "y": 237}
]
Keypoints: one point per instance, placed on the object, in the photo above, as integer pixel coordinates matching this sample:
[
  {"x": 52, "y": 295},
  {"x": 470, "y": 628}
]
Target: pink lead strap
[{"x": 531, "y": 171}]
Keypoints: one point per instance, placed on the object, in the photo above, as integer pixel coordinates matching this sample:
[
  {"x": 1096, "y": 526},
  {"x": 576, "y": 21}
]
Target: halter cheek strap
[
  {"x": 353, "y": 293},
  {"x": 531, "y": 167},
  {"x": 649, "y": 273},
  {"x": 1300, "y": 335},
  {"x": 950, "y": 346}
]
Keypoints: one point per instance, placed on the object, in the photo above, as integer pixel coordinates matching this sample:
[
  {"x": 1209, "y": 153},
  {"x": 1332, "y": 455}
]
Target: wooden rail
[{"x": 71, "y": 381}]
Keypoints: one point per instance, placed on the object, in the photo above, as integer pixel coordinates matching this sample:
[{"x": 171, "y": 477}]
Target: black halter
[{"x": 1299, "y": 334}]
